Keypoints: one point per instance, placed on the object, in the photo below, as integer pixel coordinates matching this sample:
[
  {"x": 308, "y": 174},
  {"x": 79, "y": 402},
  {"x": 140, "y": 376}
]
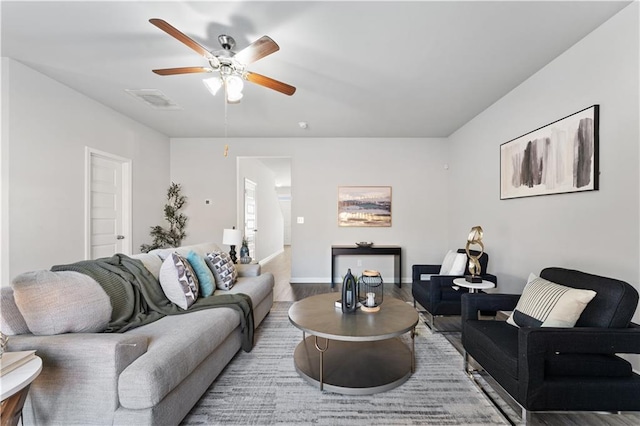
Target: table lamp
[{"x": 232, "y": 238}]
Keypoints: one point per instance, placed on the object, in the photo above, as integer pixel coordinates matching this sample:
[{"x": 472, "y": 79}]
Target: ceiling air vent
[{"x": 154, "y": 98}]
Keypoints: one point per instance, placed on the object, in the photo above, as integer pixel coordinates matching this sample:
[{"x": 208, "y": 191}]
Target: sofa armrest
[
  {"x": 472, "y": 303},
  {"x": 79, "y": 377},
  {"x": 490, "y": 277},
  {"x": 587, "y": 340},
  {"x": 248, "y": 269},
  {"x": 536, "y": 344},
  {"x": 417, "y": 270},
  {"x": 113, "y": 351}
]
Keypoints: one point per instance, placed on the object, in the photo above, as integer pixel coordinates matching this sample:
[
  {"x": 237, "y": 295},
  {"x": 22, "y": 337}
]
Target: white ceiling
[{"x": 362, "y": 68}]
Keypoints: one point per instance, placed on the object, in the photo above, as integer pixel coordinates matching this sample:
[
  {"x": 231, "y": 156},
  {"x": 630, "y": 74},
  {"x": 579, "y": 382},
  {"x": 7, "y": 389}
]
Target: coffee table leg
[
  {"x": 413, "y": 350},
  {"x": 322, "y": 351}
]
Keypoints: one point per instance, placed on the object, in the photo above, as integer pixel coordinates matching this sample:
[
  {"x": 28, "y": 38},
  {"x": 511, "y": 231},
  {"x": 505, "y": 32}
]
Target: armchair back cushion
[
  {"x": 483, "y": 260},
  {"x": 612, "y": 307}
]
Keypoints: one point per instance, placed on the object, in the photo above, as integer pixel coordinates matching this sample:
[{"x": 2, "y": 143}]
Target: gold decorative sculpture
[{"x": 475, "y": 237}]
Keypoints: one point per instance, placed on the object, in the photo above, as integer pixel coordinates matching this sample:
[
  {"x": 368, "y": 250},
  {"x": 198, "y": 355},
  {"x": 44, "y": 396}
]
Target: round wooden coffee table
[{"x": 355, "y": 354}]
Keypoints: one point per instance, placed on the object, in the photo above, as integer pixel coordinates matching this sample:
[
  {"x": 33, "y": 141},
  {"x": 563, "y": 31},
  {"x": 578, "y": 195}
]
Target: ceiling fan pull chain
[{"x": 226, "y": 124}]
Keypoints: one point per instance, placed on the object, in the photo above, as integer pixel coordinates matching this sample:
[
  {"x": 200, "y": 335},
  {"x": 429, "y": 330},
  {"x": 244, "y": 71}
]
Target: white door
[
  {"x": 108, "y": 229},
  {"x": 250, "y": 216}
]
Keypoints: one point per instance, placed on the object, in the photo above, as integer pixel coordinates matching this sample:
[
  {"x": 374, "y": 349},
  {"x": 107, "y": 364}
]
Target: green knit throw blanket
[{"x": 137, "y": 297}]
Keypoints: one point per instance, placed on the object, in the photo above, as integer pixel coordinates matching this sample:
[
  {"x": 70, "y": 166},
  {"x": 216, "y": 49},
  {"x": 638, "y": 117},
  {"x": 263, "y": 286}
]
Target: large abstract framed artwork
[
  {"x": 364, "y": 206},
  {"x": 557, "y": 158}
]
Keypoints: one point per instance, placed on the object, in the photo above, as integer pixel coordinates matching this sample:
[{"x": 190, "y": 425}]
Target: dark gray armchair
[
  {"x": 561, "y": 369},
  {"x": 437, "y": 294}
]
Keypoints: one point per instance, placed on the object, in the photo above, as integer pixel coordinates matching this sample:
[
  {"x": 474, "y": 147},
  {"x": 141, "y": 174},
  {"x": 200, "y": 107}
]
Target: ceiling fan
[{"x": 231, "y": 66}]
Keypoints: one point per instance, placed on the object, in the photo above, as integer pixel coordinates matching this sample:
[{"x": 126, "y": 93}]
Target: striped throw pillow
[{"x": 547, "y": 304}]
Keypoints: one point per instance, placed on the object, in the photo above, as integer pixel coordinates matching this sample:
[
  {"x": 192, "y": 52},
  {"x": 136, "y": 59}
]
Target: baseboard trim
[
  {"x": 324, "y": 280},
  {"x": 309, "y": 280},
  {"x": 271, "y": 257}
]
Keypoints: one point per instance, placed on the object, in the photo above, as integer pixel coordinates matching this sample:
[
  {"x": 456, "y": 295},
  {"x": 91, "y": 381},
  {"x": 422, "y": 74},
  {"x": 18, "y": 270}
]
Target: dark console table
[{"x": 395, "y": 251}]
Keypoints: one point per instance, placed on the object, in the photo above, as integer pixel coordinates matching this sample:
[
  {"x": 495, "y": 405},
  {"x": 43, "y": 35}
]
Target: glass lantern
[{"x": 370, "y": 290}]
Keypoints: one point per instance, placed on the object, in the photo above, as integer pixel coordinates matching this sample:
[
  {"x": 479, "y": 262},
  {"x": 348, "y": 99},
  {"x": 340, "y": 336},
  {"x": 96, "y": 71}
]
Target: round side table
[
  {"x": 15, "y": 386},
  {"x": 473, "y": 287}
]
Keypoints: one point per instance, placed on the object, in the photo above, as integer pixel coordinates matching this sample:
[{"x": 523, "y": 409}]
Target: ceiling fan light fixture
[
  {"x": 234, "y": 98},
  {"x": 213, "y": 84},
  {"x": 234, "y": 86}
]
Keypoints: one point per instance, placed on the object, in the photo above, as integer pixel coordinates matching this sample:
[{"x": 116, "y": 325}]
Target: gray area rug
[{"x": 263, "y": 388}]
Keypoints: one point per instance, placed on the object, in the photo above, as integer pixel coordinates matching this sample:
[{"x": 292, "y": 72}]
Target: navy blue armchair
[
  {"x": 437, "y": 294},
  {"x": 560, "y": 369}
]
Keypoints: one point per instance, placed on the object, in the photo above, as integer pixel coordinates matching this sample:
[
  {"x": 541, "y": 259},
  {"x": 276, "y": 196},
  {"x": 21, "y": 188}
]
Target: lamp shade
[
  {"x": 213, "y": 84},
  {"x": 232, "y": 237}
]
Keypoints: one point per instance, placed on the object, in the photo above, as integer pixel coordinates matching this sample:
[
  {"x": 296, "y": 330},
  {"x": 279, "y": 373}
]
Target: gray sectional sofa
[{"x": 150, "y": 375}]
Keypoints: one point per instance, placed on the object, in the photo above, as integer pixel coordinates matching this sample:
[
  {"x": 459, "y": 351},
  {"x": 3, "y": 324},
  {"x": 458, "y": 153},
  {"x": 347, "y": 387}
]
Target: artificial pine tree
[{"x": 173, "y": 236}]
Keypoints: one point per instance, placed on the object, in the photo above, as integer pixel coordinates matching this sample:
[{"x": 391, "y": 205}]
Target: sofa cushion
[
  {"x": 11, "y": 320},
  {"x": 223, "y": 269},
  {"x": 547, "y": 304},
  {"x": 152, "y": 262},
  {"x": 61, "y": 302},
  {"x": 178, "y": 281},
  {"x": 257, "y": 288},
  {"x": 206, "y": 279},
  {"x": 587, "y": 365},
  {"x": 494, "y": 343},
  {"x": 177, "y": 345}
]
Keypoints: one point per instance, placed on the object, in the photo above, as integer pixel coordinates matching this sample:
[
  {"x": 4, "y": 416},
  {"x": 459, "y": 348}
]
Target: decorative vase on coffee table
[{"x": 349, "y": 293}]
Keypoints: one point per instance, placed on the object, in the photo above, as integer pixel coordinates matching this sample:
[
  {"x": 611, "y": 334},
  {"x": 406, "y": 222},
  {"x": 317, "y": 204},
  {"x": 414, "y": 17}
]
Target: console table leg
[{"x": 322, "y": 351}]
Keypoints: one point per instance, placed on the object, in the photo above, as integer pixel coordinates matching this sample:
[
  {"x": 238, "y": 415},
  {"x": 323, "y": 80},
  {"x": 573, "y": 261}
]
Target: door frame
[{"x": 89, "y": 154}]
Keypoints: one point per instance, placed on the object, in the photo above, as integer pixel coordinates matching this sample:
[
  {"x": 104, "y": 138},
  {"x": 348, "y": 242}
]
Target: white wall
[
  {"x": 284, "y": 197},
  {"x": 44, "y": 137},
  {"x": 596, "y": 232},
  {"x": 270, "y": 223},
  {"x": 414, "y": 168}
]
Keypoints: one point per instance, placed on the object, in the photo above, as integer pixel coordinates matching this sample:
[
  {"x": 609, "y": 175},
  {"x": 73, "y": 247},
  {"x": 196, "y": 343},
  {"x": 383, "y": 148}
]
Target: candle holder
[{"x": 370, "y": 290}]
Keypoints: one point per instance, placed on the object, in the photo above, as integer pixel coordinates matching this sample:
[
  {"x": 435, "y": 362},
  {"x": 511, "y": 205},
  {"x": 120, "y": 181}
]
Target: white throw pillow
[
  {"x": 459, "y": 264},
  {"x": 453, "y": 264},
  {"x": 61, "y": 302},
  {"x": 178, "y": 281},
  {"x": 547, "y": 304},
  {"x": 223, "y": 269}
]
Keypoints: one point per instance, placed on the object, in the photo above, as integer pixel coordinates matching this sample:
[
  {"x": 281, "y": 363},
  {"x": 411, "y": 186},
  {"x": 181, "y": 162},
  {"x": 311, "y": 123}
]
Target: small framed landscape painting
[
  {"x": 364, "y": 206},
  {"x": 557, "y": 158}
]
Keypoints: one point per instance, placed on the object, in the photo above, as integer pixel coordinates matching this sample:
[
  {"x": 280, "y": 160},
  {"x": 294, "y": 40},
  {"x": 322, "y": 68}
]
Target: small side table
[
  {"x": 473, "y": 287},
  {"x": 15, "y": 386}
]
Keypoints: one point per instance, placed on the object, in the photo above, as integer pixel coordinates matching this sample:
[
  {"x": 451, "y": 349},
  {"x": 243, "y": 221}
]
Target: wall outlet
[
  {"x": 300, "y": 219},
  {"x": 359, "y": 262}
]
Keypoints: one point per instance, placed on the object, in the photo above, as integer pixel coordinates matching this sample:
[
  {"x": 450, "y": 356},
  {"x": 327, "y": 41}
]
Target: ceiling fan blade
[
  {"x": 270, "y": 83},
  {"x": 175, "y": 33},
  {"x": 182, "y": 70},
  {"x": 257, "y": 50}
]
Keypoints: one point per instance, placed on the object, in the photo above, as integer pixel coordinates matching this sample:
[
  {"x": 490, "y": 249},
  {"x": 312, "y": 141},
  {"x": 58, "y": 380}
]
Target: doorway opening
[{"x": 272, "y": 203}]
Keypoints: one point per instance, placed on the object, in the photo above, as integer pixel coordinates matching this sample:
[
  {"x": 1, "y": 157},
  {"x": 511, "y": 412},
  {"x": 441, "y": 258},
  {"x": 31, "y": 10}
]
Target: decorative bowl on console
[{"x": 364, "y": 244}]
